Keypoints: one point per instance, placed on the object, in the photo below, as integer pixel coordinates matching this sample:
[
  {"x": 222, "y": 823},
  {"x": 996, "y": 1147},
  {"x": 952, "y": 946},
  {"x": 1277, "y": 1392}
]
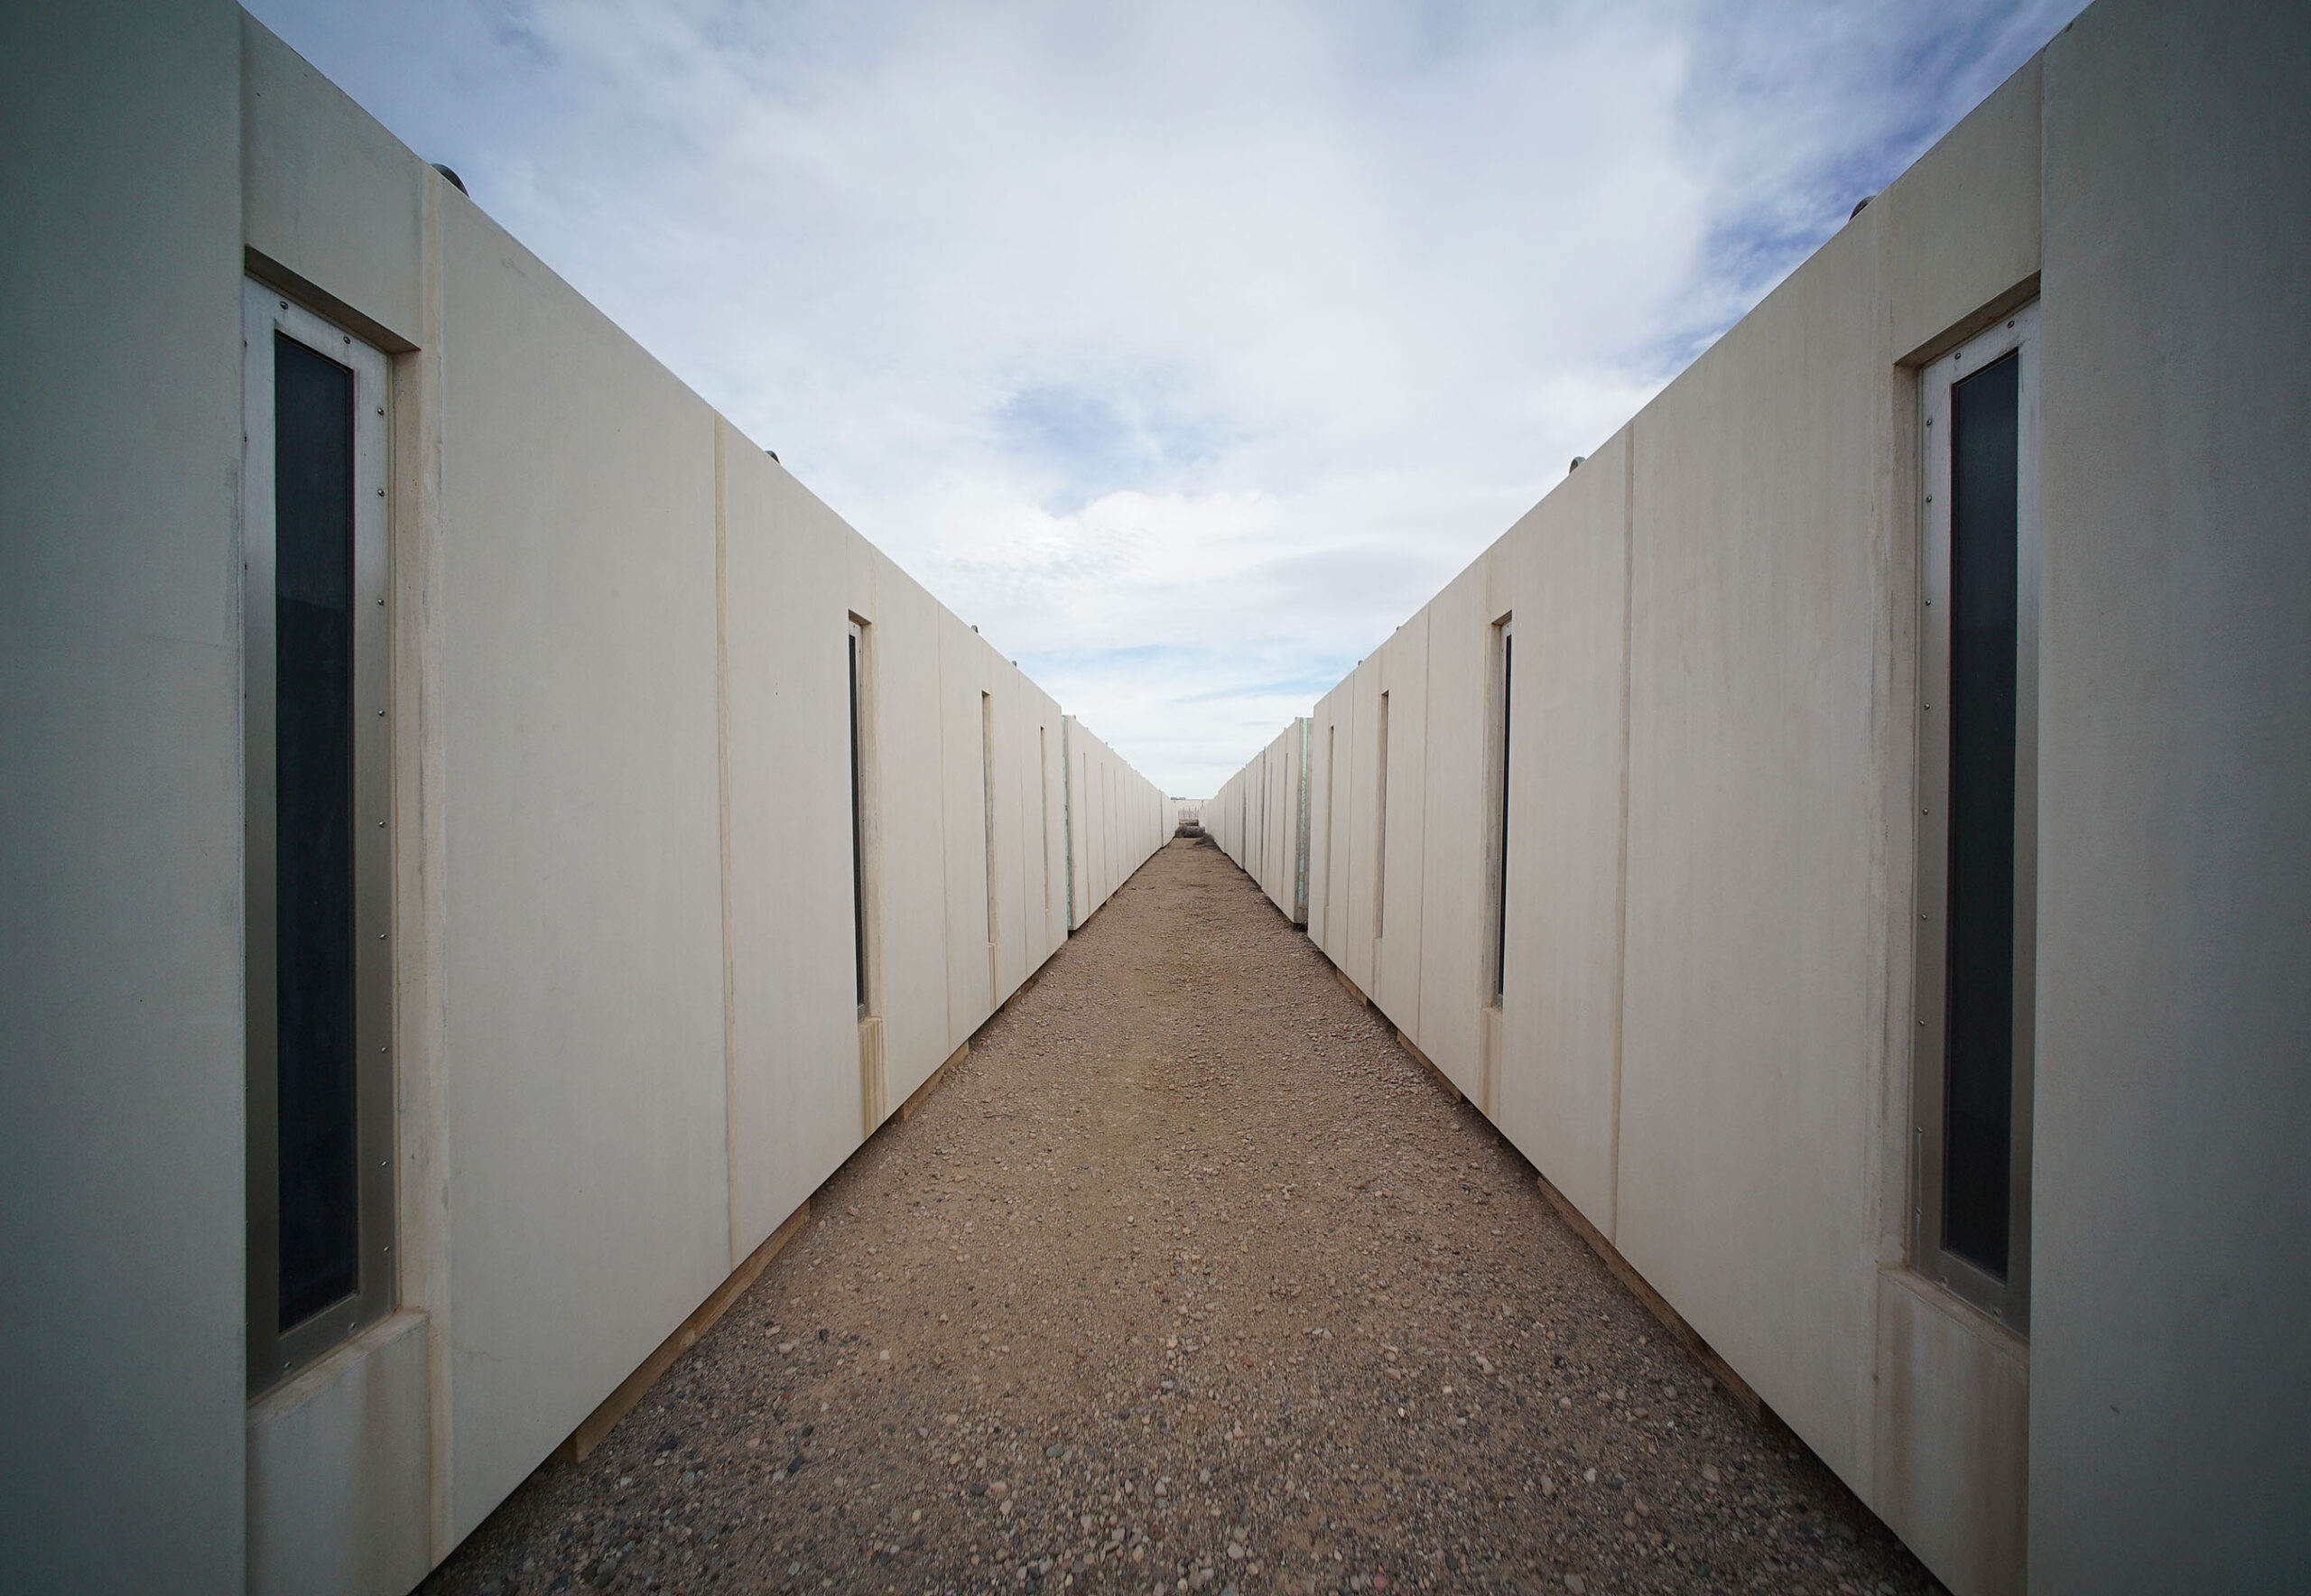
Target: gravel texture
[{"x": 1187, "y": 1278}]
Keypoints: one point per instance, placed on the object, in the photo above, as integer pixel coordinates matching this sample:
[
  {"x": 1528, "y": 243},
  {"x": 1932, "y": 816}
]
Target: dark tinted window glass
[
  {"x": 313, "y": 817},
  {"x": 1500, "y": 903},
  {"x": 858, "y": 842},
  {"x": 1983, "y": 583}
]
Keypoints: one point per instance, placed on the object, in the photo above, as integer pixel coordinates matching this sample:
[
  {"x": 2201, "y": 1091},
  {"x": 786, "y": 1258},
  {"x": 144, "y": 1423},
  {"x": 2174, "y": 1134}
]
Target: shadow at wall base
[
  {"x": 1686, "y": 1335},
  {"x": 598, "y": 1424}
]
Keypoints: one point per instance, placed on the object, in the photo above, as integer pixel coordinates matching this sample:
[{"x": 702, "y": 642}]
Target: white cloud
[{"x": 1185, "y": 347}]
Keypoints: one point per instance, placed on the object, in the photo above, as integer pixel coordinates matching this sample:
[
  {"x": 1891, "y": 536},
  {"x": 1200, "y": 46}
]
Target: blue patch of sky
[
  {"x": 1311, "y": 685},
  {"x": 1197, "y": 663},
  {"x": 1927, "y": 78},
  {"x": 1088, "y": 445}
]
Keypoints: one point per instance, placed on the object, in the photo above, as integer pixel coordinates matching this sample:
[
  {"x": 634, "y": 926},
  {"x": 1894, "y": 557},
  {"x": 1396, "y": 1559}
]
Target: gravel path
[{"x": 1186, "y": 1279}]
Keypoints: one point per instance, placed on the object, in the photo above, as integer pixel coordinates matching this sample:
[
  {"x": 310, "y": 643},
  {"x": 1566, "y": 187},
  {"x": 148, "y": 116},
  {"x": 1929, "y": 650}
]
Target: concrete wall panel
[
  {"x": 1402, "y": 676},
  {"x": 1757, "y": 898},
  {"x": 121, "y": 1128},
  {"x": 328, "y": 194},
  {"x": 1560, "y": 1020},
  {"x": 338, "y": 1462},
  {"x": 1455, "y": 830},
  {"x": 584, "y": 1024},
  {"x": 794, "y": 1091},
  {"x": 2172, "y": 1229}
]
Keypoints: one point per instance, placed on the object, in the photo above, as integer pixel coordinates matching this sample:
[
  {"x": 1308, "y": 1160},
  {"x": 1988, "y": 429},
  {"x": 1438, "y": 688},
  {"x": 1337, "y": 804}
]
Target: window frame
[
  {"x": 1500, "y": 686},
  {"x": 864, "y": 879},
  {"x": 276, "y": 1354},
  {"x": 2006, "y": 1300}
]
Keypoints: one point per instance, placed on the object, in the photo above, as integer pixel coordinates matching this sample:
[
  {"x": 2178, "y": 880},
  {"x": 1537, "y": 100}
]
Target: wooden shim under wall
[
  {"x": 1422, "y": 1059},
  {"x": 597, "y": 1424},
  {"x": 1671, "y": 1320},
  {"x": 913, "y": 1105}
]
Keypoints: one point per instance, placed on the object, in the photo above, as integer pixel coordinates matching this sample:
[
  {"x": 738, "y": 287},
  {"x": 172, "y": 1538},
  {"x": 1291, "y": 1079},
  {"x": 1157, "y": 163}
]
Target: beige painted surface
[
  {"x": 1757, "y": 902},
  {"x": 1950, "y": 1385},
  {"x": 121, "y": 1033},
  {"x": 2169, "y": 1400},
  {"x": 626, "y": 1038},
  {"x": 338, "y": 1461},
  {"x": 1116, "y": 818},
  {"x": 1706, "y": 1038},
  {"x": 1453, "y": 831},
  {"x": 622, "y": 765},
  {"x": 794, "y": 1102},
  {"x": 1403, "y": 674},
  {"x": 584, "y": 1027},
  {"x": 328, "y": 194},
  {"x": 1255, "y": 819},
  {"x": 1559, "y": 1078}
]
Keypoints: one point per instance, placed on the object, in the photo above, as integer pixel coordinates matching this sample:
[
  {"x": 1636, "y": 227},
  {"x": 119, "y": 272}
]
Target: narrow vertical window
[
  {"x": 1380, "y": 830},
  {"x": 1306, "y": 730},
  {"x": 312, "y": 807},
  {"x": 857, "y": 646},
  {"x": 1504, "y": 660},
  {"x": 319, "y": 1126},
  {"x": 1042, "y": 830},
  {"x": 1977, "y": 822},
  {"x": 987, "y": 812},
  {"x": 1332, "y": 756}
]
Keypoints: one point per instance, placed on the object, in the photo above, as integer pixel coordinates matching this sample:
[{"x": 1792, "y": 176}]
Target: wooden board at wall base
[
  {"x": 1420, "y": 1058},
  {"x": 1671, "y": 1320},
  {"x": 597, "y": 1424},
  {"x": 913, "y": 1105},
  {"x": 1340, "y": 975}
]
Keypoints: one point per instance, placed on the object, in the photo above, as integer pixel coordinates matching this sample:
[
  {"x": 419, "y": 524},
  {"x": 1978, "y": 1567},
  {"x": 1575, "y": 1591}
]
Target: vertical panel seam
[
  {"x": 722, "y": 804},
  {"x": 1621, "y": 883},
  {"x": 429, "y": 627}
]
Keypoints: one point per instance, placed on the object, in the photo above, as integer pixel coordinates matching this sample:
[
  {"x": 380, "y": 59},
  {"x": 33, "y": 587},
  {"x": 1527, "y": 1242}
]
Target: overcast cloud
[{"x": 1185, "y": 348}]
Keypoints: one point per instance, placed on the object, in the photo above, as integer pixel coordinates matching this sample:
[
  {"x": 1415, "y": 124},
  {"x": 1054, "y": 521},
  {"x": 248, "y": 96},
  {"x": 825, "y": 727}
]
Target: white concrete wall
[
  {"x": 624, "y": 1029},
  {"x": 1255, "y": 819},
  {"x": 1705, "y": 1039},
  {"x": 2170, "y": 1404},
  {"x": 1116, "y": 818},
  {"x": 121, "y": 1035}
]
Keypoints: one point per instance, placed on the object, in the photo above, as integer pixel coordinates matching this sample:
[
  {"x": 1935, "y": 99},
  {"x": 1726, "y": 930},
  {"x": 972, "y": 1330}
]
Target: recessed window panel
[
  {"x": 319, "y": 1123},
  {"x": 1979, "y": 1081},
  {"x": 1977, "y": 836}
]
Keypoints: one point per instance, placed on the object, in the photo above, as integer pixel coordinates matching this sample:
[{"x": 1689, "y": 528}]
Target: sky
[{"x": 1184, "y": 348}]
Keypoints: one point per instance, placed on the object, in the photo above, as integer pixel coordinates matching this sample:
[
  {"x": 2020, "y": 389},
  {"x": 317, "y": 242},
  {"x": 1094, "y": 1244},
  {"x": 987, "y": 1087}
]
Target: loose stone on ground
[{"x": 1188, "y": 1279}]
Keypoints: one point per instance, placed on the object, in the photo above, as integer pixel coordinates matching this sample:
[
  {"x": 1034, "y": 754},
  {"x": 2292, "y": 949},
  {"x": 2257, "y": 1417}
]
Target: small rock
[
  {"x": 1235, "y": 1551},
  {"x": 1709, "y": 1472},
  {"x": 1576, "y": 1583}
]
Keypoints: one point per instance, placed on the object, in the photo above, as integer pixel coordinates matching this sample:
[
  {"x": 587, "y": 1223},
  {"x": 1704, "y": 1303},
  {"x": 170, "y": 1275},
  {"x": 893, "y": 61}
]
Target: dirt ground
[{"x": 1186, "y": 1279}]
